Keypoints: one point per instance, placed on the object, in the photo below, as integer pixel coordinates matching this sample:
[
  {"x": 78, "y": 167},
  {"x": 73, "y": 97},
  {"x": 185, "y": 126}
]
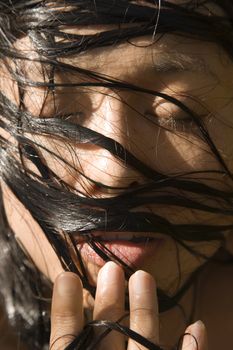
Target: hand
[{"x": 67, "y": 319}]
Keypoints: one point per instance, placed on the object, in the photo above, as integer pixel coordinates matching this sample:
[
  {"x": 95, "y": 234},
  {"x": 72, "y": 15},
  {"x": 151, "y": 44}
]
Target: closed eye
[{"x": 174, "y": 123}]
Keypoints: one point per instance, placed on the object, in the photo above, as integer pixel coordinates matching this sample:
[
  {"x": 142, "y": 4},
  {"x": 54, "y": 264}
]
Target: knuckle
[
  {"x": 106, "y": 303},
  {"x": 64, "y": 319},
  {"x": 64, "y": 312},
  {"x": 143, "y": 312},
  {"x": 111, "y": 313}
]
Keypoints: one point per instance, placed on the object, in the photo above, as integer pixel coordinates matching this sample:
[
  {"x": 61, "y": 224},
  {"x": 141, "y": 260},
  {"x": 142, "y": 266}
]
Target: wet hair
[{"x": 63, "y": 211}]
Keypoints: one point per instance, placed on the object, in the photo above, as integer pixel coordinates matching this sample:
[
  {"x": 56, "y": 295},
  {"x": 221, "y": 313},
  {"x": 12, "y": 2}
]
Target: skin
[
  {"x": 67, "y": 310},
  {"x": 165, "y": 151}
]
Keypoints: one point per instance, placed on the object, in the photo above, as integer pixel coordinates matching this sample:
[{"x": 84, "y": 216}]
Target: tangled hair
[{"x": 67, "y": 210}]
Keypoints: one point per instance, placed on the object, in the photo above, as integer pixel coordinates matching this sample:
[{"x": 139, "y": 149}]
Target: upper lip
[{"x": 111, "y": 236}]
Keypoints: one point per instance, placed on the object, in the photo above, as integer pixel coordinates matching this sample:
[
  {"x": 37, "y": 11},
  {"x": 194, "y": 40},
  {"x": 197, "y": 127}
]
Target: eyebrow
[{"x": 174, "y": 62}]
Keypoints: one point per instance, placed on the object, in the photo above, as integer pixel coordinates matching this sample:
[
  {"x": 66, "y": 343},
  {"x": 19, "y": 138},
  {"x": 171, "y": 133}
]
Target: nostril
[{"x": 134, "y": 184}]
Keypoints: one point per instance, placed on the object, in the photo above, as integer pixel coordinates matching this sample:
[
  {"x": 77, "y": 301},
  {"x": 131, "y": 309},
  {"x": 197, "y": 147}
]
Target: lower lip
[{"x": 133, "y": 254}]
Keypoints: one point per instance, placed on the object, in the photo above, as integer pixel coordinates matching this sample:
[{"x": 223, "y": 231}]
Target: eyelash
[
  {"x": 172, "y": 123},
  {"x": 177, "y": 124}
]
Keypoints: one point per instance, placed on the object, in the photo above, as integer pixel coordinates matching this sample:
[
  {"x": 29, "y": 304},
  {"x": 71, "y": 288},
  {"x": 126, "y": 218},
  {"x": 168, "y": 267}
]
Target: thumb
[{"x": 195, "y": 337}]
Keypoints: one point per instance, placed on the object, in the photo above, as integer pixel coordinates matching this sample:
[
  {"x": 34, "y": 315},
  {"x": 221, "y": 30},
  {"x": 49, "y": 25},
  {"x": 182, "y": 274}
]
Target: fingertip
[
  {"x": 197, "y": 329},
  {"x": 110, "y": 271},
  {"x": 67, "y": 274},
  {"x": 109, "y": 265},
  {"x": 195, "y": 337},
  {"x": 67, "y": 283},
  {"x": 140, "y": 275}
]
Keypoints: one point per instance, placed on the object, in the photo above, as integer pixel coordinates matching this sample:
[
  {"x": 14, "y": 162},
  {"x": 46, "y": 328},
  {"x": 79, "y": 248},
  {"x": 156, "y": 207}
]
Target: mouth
[{"x": 132, "y": 248}]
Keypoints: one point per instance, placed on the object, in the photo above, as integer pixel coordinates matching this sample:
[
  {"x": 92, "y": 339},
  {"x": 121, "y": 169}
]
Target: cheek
[
  {"x": 173, "y": 264},
  {"x": 184, "y": 153},
  {"x": 221, "y": 131},
  {"x": 30, "y": 236},
  {"x": 170, "y": 152}
]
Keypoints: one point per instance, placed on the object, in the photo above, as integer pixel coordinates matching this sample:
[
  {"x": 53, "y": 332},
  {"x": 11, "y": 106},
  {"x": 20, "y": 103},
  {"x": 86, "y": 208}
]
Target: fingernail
[
  {"x": 108, "y": 273},
  {"x": 198, "y": 327},
  {"x": 141, "y": 281},
  {"x": 194, "y": 337},
  {"x": 67, "y": 284}
]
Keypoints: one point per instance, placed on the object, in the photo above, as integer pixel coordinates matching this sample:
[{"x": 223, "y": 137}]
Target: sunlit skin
[
  {"x": 109, "y": 305},
  {"x": 206, "y": 87}
]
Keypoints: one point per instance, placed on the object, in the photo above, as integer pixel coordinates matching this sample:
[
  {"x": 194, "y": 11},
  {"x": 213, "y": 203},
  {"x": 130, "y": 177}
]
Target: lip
[{"x": 133, "y": 254}]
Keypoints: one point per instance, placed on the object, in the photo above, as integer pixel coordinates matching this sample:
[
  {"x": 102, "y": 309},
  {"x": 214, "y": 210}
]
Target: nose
[{"x": 111, "y": 118}]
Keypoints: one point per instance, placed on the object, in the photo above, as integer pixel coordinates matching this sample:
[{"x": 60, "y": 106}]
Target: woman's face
[{"x": 197, "y": 73}]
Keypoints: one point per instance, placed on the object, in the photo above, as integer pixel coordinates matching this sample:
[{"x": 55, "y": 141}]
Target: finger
[
  {"x": 67, "y": 310},
  {"x": 109, "y": 303},
  {"x": 195, "y": 337},
  {"x": 143, "y": 308}
]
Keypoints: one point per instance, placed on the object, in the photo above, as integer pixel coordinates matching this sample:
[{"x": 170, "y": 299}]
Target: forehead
[
  {"x": 170, "y": 50},
  {"x": 170, "y": 55},
  {"x": 140, "y": 58}
]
